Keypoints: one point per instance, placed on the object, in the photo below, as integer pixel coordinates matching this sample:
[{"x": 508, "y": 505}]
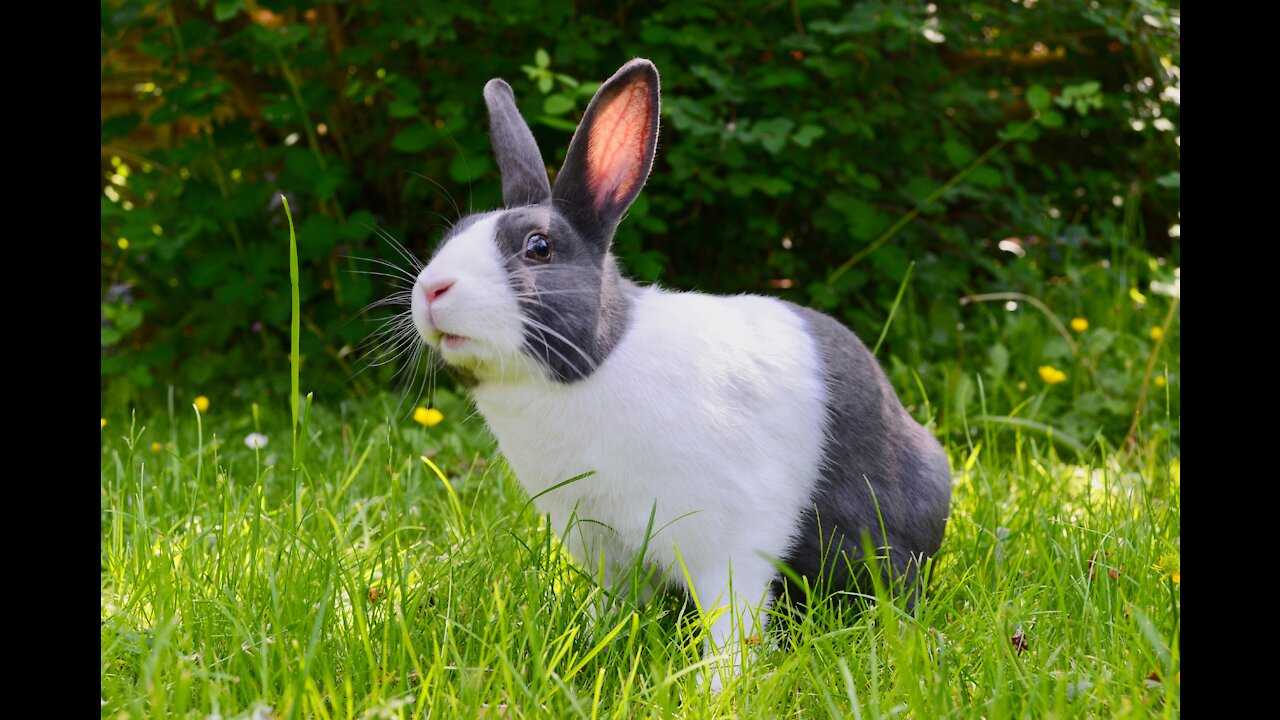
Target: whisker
[
  {"x": 379, "y": 261},
  {"x": 390, "y": 352},
  {"x": 398, "y": 247},
  {"x": 540, "y": 293},
  {"x": 425, "y": 374},
  {"x": 414, "y": 361},
  {"x": 401, "y": 297},
  {"x": 443, "y": 190},
  {"x": 534, "y": 323},
  {"x": 375, "y": 273},
  {"x": 391, "y": 342},
  {"x": 540, "y": 306}
]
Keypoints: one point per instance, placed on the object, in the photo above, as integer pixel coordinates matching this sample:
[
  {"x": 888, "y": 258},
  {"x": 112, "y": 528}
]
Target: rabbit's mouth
[{"x": 445, "y": 340}]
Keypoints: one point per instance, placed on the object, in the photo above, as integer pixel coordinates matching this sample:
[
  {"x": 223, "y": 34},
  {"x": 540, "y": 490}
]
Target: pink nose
[{"x": 436, "y": 289}]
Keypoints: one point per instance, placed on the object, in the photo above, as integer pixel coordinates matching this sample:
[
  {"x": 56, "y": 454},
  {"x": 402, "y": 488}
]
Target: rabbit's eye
[{"x": 537, "y": 248}]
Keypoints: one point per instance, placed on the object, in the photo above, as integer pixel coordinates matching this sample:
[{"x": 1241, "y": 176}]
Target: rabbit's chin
[{"x": 479, "y": 361}]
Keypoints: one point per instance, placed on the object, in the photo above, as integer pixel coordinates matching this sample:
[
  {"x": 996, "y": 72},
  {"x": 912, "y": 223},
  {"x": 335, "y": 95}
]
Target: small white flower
[
  {"x": 1173, "y": 289},
  {"x": 257, "y": 441}
]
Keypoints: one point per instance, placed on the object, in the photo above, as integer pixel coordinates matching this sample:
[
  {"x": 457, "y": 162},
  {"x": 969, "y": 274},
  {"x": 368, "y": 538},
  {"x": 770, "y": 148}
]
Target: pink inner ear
[{"x": 617, "y": 143}]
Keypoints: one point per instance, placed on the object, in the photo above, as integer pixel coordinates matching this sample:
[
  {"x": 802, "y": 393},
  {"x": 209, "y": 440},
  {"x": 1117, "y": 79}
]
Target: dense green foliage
[{"x": 796, "y": 137}]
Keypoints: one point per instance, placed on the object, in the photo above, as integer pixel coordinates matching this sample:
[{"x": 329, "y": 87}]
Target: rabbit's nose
[{"x": 436, "y": 289}]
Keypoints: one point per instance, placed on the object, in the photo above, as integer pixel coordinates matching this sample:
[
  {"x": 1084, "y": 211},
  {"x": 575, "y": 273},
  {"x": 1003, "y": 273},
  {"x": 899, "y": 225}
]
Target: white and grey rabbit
[{"x": 753, "y": 430}]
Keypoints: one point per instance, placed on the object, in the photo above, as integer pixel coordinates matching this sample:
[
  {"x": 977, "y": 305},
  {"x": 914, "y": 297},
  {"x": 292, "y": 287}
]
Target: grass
[{"x": 378, "y": 588}]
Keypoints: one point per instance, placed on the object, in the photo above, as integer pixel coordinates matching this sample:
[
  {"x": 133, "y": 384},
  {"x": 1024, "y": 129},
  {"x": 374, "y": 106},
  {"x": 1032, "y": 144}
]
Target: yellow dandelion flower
[
  {"x": 1177, "y": 578},
  {"x": 1051, "y": 374},
  {"x": 1160, "y": 381},
  {"x": 428, "y": 417},
  {"x": 1079, "y": 324},
  {"x": 202, "y": 404},
  {"x": 123, "y": 243},
  {"x": 1157, "y": 333},
  {"x": 156, "y": 447},
  {"x": 104, "y": 423}
]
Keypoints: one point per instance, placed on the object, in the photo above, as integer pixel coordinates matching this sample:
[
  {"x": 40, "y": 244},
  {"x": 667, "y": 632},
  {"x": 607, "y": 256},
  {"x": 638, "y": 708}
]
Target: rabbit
[{"x": 723, "y": 435}]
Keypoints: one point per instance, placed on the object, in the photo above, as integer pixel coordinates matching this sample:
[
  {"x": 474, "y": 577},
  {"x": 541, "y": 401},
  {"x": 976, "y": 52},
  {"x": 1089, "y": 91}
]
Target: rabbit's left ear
[
  {"x": 524, "y": 177},
  {"x": 612, "y": 151}
]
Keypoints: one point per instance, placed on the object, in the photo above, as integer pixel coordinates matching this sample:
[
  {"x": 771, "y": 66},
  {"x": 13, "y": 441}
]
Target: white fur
[
  {"x": 480, "y": 305},
  {"x": 710, "y": 411}
]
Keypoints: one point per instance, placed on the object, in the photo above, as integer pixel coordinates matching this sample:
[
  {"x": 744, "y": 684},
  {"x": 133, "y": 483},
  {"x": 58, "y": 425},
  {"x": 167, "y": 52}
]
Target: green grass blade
[
  {"x": 902, "y": 288},
  {"x": 295, "y": 330}
]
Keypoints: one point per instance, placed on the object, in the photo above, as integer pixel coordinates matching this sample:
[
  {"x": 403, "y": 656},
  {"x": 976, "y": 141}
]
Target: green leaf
[
  {"x": 413, "y": 139},
  {"x": 467, "y": 167},
  {"x": 805, "y": 136},
  {"x": 541, "y": 58},
  {"x": 999, "y": 356},
  {"x": 399, "y": 109},
  {"x": 1051, "y": 119},
  {"x": 986, "y": 176},
  {"x": 864, "y": 221},
  {"x": 110, "y": 336},
  {"x": 140, "y": 375},
  {"x": 1038, "y": 97},
  {"x": 119, "y": 125},
  {"x": 1170, "y": 180},
  {"x": 958, "y": 154},
  {"x": 557, "y": 123},
  {"x": 773, "y": 133},
  {"x": 557, "y": 105},
  {"x": 772, "y": 186},
  {"x": 155, "y": 49},
  {"x": 868, "y": 181},
  {"x": 1028, "y": 135},
  {"x": 405, "y": 89},
  {"x": 823, "y": 295},
  {"x": 224, "y": 10}
]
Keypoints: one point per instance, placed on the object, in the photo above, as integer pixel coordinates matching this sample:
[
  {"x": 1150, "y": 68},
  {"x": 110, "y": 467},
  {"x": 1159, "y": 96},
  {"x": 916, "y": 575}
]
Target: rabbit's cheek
[{"x": 462, "y": 302}]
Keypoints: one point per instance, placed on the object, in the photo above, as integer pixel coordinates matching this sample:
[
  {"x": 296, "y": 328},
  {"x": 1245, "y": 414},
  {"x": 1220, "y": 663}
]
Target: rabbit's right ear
[
  {"x": 524, "y": 177},
  {"x": 611, "y": 152}
]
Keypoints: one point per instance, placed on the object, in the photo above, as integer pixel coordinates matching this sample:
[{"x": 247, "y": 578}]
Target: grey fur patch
[
  {"x": 524, "y": 176},
  {"x": 874, "y": 455},
  {"x": 576, "y": 305}
]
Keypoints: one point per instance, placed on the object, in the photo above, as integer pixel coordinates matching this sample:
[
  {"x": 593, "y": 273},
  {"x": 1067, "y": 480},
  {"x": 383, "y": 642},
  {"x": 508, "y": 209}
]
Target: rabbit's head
[{"x": 532, "y": 289}]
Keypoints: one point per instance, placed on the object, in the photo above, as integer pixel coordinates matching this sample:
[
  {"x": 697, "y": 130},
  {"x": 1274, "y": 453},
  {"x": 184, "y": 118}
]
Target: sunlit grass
[{"x": 378, "y": 589}]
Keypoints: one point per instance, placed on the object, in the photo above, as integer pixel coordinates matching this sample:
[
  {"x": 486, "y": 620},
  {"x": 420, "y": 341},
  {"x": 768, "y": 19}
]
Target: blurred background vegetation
[{"x": 1023, "y": 155}]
